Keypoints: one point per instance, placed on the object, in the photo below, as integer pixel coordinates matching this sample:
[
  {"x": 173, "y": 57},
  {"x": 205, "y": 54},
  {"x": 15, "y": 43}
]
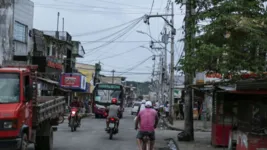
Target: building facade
[{"x": 16, "y": 22}]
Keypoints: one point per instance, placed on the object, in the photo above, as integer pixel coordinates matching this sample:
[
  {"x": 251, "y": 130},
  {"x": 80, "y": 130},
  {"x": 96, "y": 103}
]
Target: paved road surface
[{"x": 91, "y": 136}]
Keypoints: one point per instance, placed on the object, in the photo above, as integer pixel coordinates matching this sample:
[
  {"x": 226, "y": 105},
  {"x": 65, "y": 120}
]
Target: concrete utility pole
[
  {"x": 173, "y": 32},
  {"x": 113, "y": 71},
  {"x": 189, "y": 27}
]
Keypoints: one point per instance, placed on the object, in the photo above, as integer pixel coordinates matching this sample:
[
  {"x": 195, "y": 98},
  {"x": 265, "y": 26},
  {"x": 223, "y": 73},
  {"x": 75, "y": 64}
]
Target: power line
[
  {"x": 116, "y": 55},
  {"x": 103, "y": 30},
  {"x": 151, "y": 7},
  {"x": 86, "y": 6},
  {"x": 87, "y": 42},
  {"x": 132, "y": 68},
  {"x": 92, "y": 11},
  {"x": 114, "y": 39}
]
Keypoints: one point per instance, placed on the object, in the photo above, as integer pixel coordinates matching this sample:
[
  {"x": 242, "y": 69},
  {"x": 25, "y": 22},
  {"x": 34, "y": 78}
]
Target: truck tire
[
  {"x": 44, "y": 142},
  {"x": 24, "y": 142}
]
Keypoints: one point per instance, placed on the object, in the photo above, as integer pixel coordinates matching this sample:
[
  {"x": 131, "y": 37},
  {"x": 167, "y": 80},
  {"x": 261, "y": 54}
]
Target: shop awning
[
  {"x": 62, "y": 89},
  {"x": 48, "y": 80}
]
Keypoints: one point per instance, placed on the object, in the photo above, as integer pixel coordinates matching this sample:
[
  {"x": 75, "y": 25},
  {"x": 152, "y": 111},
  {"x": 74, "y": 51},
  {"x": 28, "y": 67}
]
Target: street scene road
[{"x": 92, "y": 136}]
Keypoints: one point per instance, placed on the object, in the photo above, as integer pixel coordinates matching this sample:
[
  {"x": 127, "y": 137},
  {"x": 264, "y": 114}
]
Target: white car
[{"x": 135, "y": 108}]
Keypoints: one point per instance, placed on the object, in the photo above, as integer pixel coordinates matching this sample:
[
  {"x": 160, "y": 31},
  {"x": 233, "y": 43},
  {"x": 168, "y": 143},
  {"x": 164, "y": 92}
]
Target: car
[{"x": 135, "y": 108}]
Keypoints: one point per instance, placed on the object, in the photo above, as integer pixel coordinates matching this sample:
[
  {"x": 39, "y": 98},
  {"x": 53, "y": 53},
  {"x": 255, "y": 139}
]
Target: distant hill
[{"x": 142, "y": 87}]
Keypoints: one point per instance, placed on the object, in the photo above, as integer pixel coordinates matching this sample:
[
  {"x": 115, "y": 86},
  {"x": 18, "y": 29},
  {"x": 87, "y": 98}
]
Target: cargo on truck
[{"x": 25, "y": 117}]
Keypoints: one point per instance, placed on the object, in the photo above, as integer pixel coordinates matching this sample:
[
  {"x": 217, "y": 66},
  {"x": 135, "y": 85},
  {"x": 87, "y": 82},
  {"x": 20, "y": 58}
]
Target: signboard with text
[
  {"x": 54, "y": 63},
  {"x": 73, "y": 81}
]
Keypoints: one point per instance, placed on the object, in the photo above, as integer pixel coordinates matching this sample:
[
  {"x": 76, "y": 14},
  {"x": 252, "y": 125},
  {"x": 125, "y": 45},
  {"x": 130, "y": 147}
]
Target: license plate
[{"x": 111, "y": 125}]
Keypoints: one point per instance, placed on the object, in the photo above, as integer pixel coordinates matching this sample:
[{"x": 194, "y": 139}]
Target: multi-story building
[{"x": 16, "y": 22}]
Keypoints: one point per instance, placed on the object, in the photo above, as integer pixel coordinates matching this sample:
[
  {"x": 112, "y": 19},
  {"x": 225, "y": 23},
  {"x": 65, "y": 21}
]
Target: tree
[
  {"x": 234, "y": 38},
  {"x": 230, "y": 37}
]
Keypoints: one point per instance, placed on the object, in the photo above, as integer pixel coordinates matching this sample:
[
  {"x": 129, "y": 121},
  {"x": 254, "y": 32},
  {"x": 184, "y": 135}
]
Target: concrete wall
[
  {"x": 6, "y": 28},
  {"x": 23, "y": 13}
]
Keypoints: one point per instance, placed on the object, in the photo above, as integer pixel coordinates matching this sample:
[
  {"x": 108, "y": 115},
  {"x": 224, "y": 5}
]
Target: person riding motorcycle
[
  {"x": 76, "y": 103},
  {"x": 113, "y": 111},
  {"x": 141, "y": 107},
  {"x": 148, "y": 120}
]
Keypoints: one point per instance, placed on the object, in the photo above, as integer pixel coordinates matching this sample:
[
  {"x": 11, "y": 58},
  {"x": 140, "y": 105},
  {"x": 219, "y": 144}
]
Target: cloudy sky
[{"x": 107, "y": 29}]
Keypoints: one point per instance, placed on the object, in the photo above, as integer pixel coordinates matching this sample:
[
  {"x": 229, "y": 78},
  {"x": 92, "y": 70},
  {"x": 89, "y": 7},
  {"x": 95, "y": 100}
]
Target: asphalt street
[{"x": 92, "y": 136}]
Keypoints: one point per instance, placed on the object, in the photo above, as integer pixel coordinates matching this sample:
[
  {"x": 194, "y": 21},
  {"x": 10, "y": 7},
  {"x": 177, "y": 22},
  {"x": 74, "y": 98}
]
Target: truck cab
[
  {"x": 15, "y": 103},
  {"x": 23, "y": 114}
]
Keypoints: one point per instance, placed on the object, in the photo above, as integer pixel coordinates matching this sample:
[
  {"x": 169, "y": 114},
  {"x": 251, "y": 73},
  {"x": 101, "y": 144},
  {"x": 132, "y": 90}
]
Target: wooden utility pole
[{"x": 189, "y": 28}]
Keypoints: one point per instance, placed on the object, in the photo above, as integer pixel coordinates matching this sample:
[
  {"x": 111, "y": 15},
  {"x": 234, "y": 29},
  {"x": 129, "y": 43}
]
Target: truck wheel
[
  {"x": 44, "y": 142},
  {"x": 24, "y": 142}
]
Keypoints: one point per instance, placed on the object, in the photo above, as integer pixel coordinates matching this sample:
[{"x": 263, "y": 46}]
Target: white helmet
[
  {"x": 143, "y": 101},
  {"x": 148, "y": 104}
]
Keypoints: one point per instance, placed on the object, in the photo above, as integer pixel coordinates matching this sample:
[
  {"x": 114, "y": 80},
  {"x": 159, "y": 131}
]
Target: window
[
  {"x": 9, "y": 88},
  {"x": 20, "y": 32}
]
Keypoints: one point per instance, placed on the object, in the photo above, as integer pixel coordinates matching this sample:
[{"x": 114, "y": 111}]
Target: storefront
[{"x": 75, "y": 82}]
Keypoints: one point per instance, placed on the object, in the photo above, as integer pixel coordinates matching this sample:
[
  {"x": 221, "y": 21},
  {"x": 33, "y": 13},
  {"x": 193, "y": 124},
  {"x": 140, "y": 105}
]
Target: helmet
[
  {"x": 143, "y": 101},
  {"x": 148, "y": 104},
  {"x": 114, "y": 101}
]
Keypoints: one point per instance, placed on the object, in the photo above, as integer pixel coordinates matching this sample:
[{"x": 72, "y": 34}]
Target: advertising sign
[
  {"x": 54, "y": 63},
  {"x": 73, "y": 81}
]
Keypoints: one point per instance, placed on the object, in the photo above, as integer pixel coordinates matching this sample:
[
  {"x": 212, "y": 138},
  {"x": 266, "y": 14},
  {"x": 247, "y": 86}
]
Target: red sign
[
  {"x": 71, "y": 81},
  {"x": 54, "y": 65}
]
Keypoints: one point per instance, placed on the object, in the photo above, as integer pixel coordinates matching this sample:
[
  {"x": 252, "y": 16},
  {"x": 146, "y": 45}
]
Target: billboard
[
  {"x": 88, "y": 71},
  {"x": 73, "y": 81}
]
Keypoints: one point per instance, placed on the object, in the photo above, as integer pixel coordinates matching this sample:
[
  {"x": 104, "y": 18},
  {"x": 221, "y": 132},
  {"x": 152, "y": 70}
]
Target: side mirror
[{"x": 28, "y": 93}]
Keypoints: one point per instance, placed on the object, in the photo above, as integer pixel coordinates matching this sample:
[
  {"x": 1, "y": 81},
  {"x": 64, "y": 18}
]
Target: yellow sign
[{"x": 88, "y": 71}]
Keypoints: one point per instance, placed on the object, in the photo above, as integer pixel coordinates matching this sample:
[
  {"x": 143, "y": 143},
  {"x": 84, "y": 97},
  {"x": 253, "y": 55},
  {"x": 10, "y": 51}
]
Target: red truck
[{"x": 26, "y": 118}]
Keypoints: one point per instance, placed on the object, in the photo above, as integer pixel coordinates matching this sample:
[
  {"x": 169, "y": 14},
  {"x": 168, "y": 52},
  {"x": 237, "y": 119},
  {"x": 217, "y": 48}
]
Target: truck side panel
[{"x": 48, "y": 108}]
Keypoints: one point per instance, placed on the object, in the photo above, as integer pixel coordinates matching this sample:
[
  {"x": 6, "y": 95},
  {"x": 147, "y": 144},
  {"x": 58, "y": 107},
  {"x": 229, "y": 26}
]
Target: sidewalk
[
  {"x": 179, "y": 125},
  {"x": 202, "y": 142},
  {"x": 163, "y": 138}
]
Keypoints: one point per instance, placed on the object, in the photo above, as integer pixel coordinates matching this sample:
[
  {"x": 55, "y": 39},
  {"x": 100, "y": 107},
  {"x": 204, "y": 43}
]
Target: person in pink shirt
[{"x": 148, "y": 120}]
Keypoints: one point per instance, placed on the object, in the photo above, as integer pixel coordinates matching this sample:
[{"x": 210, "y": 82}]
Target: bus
[{"x": 102, "y": 95}]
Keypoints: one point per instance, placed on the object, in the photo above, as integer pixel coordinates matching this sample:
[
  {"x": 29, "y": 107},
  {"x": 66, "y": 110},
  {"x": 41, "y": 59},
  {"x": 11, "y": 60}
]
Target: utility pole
[
  {"x": 165, "y": 39},
  {"x": 188, "y": 133},
  {"x": 113, "y": 71},
  {"x": 146, "y": 20},
  {"x": 173, "y": 32}
]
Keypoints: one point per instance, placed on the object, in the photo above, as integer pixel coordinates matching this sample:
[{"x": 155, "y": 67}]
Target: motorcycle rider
[
  {"x": 141, "y": 107},
  {"x": 148, "y": 120},
  {"x": 113, "y": 111},
  {"x": 76, "y": 103}
]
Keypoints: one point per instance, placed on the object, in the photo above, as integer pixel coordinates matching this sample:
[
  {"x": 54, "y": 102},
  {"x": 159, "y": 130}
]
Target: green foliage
[{"x": 233, "y": 38}]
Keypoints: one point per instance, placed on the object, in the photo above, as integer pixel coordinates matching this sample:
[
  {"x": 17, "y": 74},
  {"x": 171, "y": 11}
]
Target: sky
[{"x": 122, "y": 49}]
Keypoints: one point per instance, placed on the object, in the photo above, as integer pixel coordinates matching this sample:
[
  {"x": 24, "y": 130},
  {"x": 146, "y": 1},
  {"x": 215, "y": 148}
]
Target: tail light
[{"x": 112, "y": 119}]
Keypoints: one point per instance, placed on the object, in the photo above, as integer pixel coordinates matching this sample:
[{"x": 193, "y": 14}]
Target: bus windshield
[{"x": 105, "y": 96}]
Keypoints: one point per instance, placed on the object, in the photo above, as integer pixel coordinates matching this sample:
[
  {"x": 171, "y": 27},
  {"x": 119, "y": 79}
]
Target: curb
[{"x": 169, "y": 126}]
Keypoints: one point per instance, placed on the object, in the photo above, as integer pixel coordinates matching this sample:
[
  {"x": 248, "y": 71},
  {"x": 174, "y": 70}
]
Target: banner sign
[
  {"x": 73, "y": 81},
  {"x": 54, "y": 63}
]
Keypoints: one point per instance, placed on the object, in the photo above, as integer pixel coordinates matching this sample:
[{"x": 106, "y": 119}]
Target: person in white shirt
[{"x": 167, "y": 109}]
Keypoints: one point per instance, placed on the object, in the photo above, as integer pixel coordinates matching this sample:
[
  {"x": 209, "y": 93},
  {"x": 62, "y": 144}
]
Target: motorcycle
[
  {"x": 74, "y": 119},
  {"x": 113, "y": 127}
]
